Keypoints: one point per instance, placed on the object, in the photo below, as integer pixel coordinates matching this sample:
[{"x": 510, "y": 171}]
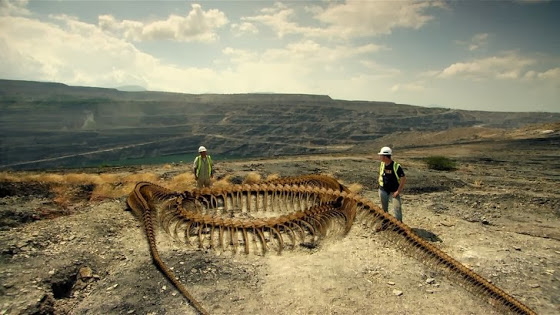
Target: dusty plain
[{"x": 66, "y": 249}]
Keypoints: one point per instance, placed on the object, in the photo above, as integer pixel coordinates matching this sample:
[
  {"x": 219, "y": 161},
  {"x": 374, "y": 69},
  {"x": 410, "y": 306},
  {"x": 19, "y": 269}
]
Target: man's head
[
  {"x": 385, "y": 154},
  {"x": 202, "y": 151}
]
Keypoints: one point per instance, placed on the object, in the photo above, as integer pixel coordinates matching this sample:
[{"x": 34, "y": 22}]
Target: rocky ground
[{"x": 498, "y": 213}]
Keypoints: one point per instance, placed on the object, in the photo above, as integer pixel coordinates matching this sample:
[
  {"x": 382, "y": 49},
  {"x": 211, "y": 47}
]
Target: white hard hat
[
  {"x": 385, "y": 151},
  {"x": 201, "y": 149}
]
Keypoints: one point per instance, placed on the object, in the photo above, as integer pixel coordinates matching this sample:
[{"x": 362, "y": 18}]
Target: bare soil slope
[
  {"x": 499, "y": 214},
  {"x": 51, "y": 125}
]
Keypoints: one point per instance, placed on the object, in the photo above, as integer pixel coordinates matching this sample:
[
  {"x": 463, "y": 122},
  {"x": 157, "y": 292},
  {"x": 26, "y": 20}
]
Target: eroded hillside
[{"x": 53, "y": 125}]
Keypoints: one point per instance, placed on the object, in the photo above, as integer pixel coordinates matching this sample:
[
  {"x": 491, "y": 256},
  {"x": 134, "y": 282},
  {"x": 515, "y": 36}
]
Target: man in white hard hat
[
  {"x": 391, "y": 182},
  {"x": 202, "y": 168}
]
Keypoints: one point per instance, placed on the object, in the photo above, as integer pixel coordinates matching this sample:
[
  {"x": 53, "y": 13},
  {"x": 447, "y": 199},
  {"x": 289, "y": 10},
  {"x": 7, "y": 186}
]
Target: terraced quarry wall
[{"x": 46, "y": 125}]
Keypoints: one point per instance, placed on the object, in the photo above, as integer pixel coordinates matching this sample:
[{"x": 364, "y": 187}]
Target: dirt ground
[{"x": 498, "y": 214}]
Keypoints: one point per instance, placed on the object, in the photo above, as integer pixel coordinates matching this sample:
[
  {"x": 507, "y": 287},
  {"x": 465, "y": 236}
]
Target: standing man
[
  {"x": 391, "y": 182},
  {"x": 202, "y": 168}
]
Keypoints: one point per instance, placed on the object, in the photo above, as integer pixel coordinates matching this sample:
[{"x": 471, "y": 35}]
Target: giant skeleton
[{"x": 308, "y": 207}]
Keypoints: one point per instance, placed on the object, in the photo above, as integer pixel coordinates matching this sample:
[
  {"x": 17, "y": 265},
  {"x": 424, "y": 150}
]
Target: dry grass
[
  {"x": 355, "y": 187},
  {"x": 63, "y": 196},
  {"x": 65, "y": 187},
  {"x": 8, "y": 177},
  {"x": 272, "y": 176},
  {"x": 106, "y": 185},
  {"x": 141, "y": 177},
  {"x": 182, "y": 182},
  {"x": 222, "y": 183},
  {"x": 252, "y": 178},
  {"x": 51, "y": 178},
  {"x": 82, "y": 178},
  {"x": 110, "y": 190}
]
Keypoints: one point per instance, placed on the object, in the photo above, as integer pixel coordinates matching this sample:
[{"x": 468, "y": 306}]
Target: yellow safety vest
[
  {"x": 209, "y": 159},
  {"x": 382, "y": 169}
]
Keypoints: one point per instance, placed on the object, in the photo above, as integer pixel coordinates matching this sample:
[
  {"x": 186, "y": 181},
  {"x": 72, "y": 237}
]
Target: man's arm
[
  {"x": 401, "y": 186},
  {"x": 195, "y": 164}
]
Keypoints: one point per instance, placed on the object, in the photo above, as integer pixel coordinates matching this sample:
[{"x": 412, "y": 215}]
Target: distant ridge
[{"x": 131, "y": 88}]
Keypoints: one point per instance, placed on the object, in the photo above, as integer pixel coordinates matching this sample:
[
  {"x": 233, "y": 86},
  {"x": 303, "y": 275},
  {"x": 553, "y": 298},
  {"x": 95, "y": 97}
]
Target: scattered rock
[
  {"x": 397, "y": 292},
  {"x": 44, "y": 306},
  {"x": 85, "y": 273},
  {"x": 112, "y": 287}
]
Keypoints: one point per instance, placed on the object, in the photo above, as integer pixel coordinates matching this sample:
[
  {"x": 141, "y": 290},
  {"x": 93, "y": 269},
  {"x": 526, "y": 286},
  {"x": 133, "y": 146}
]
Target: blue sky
[{"x": 474, "y": 55}]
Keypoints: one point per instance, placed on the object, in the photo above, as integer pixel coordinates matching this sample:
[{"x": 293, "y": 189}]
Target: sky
[{"x": 472, "y": 55}]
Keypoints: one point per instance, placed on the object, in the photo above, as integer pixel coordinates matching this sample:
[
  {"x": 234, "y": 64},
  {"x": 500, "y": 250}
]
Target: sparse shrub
[
  {"x": 141, "y": 177},
  {"x": 102, "y": 191},
  {"x": 272, "y": 177},
  {"x": 252, "y": 178},
  {"x": 7, "y": 177},
  {"x": 223, "y": 182},
  {"x": 182, "y": 181},
  {"x": 32, "y": 178},
  {"x": 123, "y": 189},
  {"x": 355, "y": 187},
  {"x": 63, "y": 194},
  {"x": 440, "y": 163},
  {"x": 81, "y": 178},
  {"x": 109, "y": 178},
  {"x": 65, "y": 188},
  {"x": 50, "y": 178}
]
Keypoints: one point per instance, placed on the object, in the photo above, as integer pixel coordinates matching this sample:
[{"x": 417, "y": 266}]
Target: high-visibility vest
[
  {"x": 382, "y": 169},
  {"x": 199, "y": 163}
]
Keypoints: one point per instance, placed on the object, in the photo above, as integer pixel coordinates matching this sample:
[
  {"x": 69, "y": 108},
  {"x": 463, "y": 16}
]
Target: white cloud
[
  {"x": 78, "y": 53},
  {"x": 476, "y": 42},
  {"x": 239, "y": 55},
  {"x": 13, "y": 7},
  {"x": 277, "y": 17},
  {"x": 363, "y": 18},
  {"x": 198, "y": 25},
  {"x": 244, "y": 28},
  {"x": 305, "y": 66},
  {"x": 550, "y": 78},
  {"x": 507, "y": 66},
  {"x": 531, "y": 74},
  {"x": 309, "y": 53},
  {"x": 379, "y": 71},
  {"x": 354, "y": 18},
  {"x": 411, "y": 87},
  {"x": 551, "y": 74}
]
